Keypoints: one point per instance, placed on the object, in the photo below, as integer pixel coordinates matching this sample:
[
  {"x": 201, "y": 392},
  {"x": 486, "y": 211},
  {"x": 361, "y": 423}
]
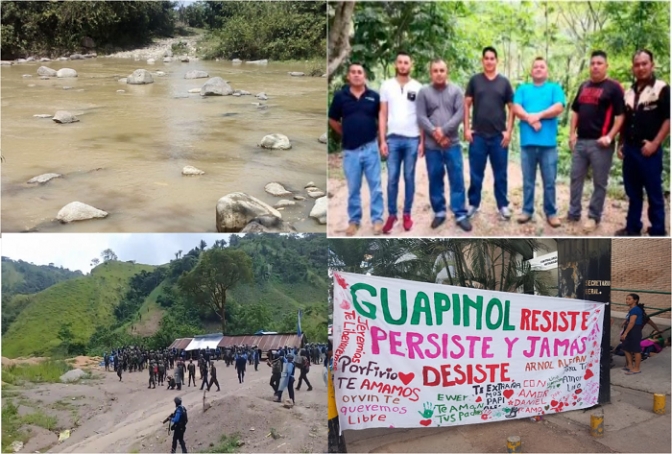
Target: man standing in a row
[
  {"x": 353, "y": 114},
  {"x": 646, "y": 126}
]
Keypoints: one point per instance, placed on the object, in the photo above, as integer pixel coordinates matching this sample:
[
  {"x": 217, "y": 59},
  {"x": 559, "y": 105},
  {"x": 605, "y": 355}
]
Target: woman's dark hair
[{"x": 634, "y": 297}]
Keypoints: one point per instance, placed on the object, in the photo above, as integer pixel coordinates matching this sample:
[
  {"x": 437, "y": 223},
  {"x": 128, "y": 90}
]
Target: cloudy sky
[{"x": 75, "y": 251}]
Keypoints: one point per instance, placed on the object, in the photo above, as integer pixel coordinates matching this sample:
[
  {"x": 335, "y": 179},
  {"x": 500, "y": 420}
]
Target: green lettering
[
  {"x": 386, "y": 308},
  {"x": 488, "y": 314},
  {"x": 421, "y": 305},
  {"x": 478, "y": 305},
  {"x": 456, "y": 309},
  {"x": 369, "y": 310},
  {"x": 507, "y": 325},
  {"x": 441, "y": 305}
]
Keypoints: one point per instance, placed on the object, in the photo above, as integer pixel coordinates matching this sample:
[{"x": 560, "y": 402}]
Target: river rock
[
  {"x": 276, "y": 142},
  {"x": 66, "y": 72},
  {"x": 276, "y": 189},
  {"x": 296, "y": 74},
  {"x": 65, "y": 87},
  {"x": 20, "y": 60},
  {"x": 151, "y": 61},
  {"x": 123, "y": 80},
  {"x": 43, "y": 116},
  {"x": 121, "y": 91},
  {"x": 184, "y": 59},
  {"x": 257, "y": 62},
  {"x": 234, "y": 211},
  {"x": 78, "y": 211},
  {"x": 62, "y": 58},
  {"x": 5, "y": 63},
  {"x": 72, "y": 375},
  {"x": 319, "y": 210},
  {"x": 315, "y": 193},
  {"x": 91, "y": 55},
  {"x": 190, "y": 170},
  {"x": 299, "y": 197},
  {"x": 195, "y": 90},
  {"x": 160, "y": 73},
  {"x": 45, "y": 71},
  {"x": 140, "y": 77},
  {"x": 236, "y": 94},
  {"x": 284, "y": 203},
  {"x": 196, "y": 75},
  {"x": 268, "y": 224},
  {"x": 323, "y": 138},
  {"x": 76, "y": 57},
  {"x": 44, "y": 78},
  {"x": 64, "y": 117},
  {"x": 216, "y": 86},
  {"x": 236, "y": 61},
  {"x": 30, "y": 59},
  {"x": 44, "y": 178},
  {"x": 16, "y": 446},
  {"x": 245, "y": 93},
  {"x": 45, "y": 59},
  {"x": 168, "y": 53},
  {"x": 167, "y": 59}
]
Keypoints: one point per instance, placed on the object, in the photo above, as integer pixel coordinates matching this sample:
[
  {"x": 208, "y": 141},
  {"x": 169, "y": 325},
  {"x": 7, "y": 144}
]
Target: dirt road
[
  {"x": 486, "y": 223},
  {"x": 109, "y": 416}
]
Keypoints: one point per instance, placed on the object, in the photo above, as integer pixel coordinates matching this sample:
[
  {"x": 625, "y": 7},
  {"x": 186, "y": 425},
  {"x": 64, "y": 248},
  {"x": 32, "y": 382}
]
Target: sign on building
[{"x": 412, "y": 354}]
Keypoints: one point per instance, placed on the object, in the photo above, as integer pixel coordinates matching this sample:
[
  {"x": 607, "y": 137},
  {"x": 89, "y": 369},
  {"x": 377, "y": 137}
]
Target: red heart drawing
[
  {"x": 508, "y": 393},
  {"x": 573, "y": 403},
  {"x": 406, "y": 379},
  {"x": 426, "y": 422},
  {"x": 589, "y": 373},
  {"x": 554, "y": 403},
  {"x": 341, "y": 282},
  {"x": 592, "y": 353},
  {"x": 479, "y": 399},
  {"x": 345, "y": 305},
  {"x": 578, "y": 391}
]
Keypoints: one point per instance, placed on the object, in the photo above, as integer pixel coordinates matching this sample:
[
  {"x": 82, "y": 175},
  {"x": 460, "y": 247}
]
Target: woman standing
[{"x": 632, "y": 335}]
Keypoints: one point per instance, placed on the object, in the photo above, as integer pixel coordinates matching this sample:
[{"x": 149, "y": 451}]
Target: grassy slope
[
  {"x": 84, "y": 302},
  {"x": 151, "y": 314}
]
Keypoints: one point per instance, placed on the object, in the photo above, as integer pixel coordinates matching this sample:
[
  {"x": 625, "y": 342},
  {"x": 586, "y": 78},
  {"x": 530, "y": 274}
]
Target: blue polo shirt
[
  {"x": 359, "y": 117},
  {"x": 534, "y": 99}
]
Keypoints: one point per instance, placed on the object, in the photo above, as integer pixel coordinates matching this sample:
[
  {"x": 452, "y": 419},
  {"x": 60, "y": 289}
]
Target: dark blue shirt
[
  {"x": 637, "y": 312},
  {"x": 359, "y": 117}
]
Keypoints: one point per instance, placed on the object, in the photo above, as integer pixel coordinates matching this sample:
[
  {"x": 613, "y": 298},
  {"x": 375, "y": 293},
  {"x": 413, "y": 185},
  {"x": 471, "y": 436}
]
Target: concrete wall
[
  {"x": 641, "y": 264},
  {"x": 617, "y": 321}
]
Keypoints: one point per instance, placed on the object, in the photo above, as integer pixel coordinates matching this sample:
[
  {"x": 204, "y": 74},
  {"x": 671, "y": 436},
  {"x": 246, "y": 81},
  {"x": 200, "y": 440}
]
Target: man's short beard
[{"x": 399, "y": 73}]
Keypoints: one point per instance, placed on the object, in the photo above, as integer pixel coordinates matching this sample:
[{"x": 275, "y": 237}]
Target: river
[{"x": 126, "y": 154}]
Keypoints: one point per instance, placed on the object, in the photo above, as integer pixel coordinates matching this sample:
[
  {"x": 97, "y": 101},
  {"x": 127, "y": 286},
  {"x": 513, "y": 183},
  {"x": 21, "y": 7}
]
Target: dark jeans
[
  {"x": 641, "y": 173},
  {"x": 547, "y": 159},
  {"x": 213, "y": 380},
  {"x": 204, "y": 383},
  {"x": 401, "y": 150},
  {"x": 178, "y": 435},
  {"x": 241, "y": 375},
  {"x": 192, "y": 377},
  {"x": 480, "y": 150},
  {"x": 451, "y": 160},
  {"x": 290, "y": 390},
  {"x": 303, "y": 377},
  {"x": 275, "y": 380},
  {"x": 587, "y": 153}
]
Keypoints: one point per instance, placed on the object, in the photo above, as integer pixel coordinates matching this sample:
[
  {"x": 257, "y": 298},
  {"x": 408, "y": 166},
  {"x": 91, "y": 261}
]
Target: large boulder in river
[
  {"x": 44, "y": 178},
  {"x": 268, "y": 224},
  {"x": 45, "y": 71},
  {"x": 276, "y": 189},
  {"x": 216, "y": 86},
  {"x": 276, "y": 142},
  {"x": 64, "y": 117},
  {"x": 236, "y": 210},
  {"x": 191, "y": 170},
  {"x": 140, "y": 77},
  {"x": 78, "y": 211},
  {"x": 65, "y": 73},
  {"x": 196, "y": 75},
  {"x": 319, "y": 211},
  {"x": 296, "y": 74}
]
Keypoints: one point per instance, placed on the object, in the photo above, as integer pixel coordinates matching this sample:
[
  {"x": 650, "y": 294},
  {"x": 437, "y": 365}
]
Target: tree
[
  {"x": 108, "y": 255},
  {"x": 218, "y": 271},
  {"x": 94, "y": 262},
  {"x": 339, "y": 36},
  {"x": 202, "y": 245}
]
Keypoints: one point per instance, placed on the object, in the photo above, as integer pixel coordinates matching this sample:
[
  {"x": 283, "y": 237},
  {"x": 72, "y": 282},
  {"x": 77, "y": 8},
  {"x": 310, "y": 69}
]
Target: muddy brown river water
[{"x": 126, "y": 154}]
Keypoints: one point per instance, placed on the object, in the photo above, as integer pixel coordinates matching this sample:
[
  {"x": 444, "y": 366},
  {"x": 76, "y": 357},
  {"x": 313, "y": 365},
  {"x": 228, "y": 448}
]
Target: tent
[{"x": 205, "y": 341}]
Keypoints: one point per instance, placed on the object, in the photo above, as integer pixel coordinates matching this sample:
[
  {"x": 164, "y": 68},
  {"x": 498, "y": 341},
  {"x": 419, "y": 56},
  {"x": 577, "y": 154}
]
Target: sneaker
[
  {"x": 464, "y": 224},
  {"x": 408, "y": 222},
  {"x": 524, "y": 218},
  {"x": 377, "y": 228},
  {"x": 554, "y": 221},
  {"x": 625, "y": 232},
  {"x": 352, "y": 229},
  {"x": 438, "y": 221},
  {"x": 590, "y": 225},
  {"x": 389, "y": 223},
  {"x": 505, "y": 213},
  {"x": 472, "y": 211}
]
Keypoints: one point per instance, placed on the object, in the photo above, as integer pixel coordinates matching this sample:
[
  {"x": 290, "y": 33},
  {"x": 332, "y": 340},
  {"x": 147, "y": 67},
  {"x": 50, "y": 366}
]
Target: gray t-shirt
[{"x": 490, "y": 100}]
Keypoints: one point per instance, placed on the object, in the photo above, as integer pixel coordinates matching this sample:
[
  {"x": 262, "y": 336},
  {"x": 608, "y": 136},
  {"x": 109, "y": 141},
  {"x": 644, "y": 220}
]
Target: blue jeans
[
  {"x": 639, "y": 173},
  {"x": 402, "y": 149},
  {"x": 364, "y": 160},
  {"x": 547, "y": 158},
  {"x": 479, "y": 151},
  {"x": 452, "y": 160}
]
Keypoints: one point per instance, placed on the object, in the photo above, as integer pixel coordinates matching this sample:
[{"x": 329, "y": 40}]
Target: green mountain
[
  {"x": 123, "y": 302},
  {"x": 19, "y": 277}
]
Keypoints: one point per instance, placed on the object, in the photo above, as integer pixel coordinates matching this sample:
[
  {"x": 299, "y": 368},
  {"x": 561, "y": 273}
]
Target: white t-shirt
[{"x": 401, "y": 114}]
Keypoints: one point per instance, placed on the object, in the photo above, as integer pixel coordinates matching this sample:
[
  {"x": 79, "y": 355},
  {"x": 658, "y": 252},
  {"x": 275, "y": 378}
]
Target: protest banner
[{"x": 414, "y": 354}]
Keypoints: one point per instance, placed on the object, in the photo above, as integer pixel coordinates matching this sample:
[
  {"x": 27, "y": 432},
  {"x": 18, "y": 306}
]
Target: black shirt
[
  {"x": 597, "y": 104},
  {"x": 646, "y": 109},
  {"x": 359, "y": 117},
  {"x": 490, "y": 98}
]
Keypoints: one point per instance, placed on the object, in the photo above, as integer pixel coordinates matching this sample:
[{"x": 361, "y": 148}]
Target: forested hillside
[{"x": 128, "y": 303}]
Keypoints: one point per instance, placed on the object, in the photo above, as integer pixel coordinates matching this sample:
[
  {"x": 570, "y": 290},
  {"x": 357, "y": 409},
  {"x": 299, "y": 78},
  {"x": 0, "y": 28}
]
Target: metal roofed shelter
[
  {"x": 181, "y": 344},
  {"x": 264, "y": 341},
  {"x": 204, "y": 341}
]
